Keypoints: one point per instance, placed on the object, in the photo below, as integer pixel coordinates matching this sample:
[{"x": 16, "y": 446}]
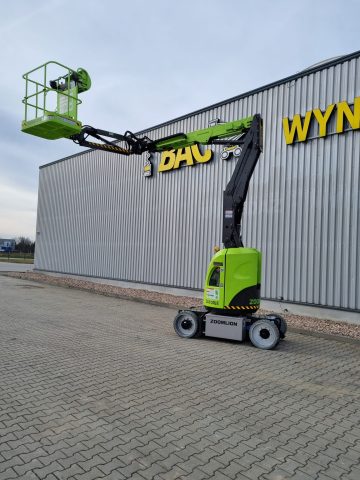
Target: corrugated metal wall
[{"x": 98, "y": 216}]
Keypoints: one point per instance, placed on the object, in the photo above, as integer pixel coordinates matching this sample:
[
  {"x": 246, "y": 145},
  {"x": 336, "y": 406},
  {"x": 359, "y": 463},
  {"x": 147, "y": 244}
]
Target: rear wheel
[
  {"x": 282, "y": 327},
  {"x": 187, "y": 324},
  {"x": 280, "y": 323},
  {"x": 264, "y": 334}
]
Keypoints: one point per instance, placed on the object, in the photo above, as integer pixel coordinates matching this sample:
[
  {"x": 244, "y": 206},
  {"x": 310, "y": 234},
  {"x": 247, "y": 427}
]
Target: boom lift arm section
[
  {"x": 236, "y": 190},
  {"x": 217, "y": 134}
]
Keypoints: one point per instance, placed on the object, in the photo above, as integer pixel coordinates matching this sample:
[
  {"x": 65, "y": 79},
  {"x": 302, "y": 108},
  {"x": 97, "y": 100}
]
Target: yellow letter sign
[
  {"x": 188, "y": 156},
  {"x": 299, "y": 128}
]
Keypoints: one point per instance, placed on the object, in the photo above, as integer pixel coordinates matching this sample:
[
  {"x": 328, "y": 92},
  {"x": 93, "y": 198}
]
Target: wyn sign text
[{"x": 298, "y": 129}]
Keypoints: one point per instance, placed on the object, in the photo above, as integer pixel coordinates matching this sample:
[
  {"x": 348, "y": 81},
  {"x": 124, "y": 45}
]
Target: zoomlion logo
[{"x": 224, "y": 322}]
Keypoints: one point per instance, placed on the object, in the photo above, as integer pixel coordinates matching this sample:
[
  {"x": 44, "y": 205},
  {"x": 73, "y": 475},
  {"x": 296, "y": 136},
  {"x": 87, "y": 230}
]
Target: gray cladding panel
[{"x": 98, "y": 216}]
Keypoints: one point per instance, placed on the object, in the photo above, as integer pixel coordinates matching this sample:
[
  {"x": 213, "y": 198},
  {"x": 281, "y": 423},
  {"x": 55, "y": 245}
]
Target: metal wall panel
[{"x": 98, "y": 216}]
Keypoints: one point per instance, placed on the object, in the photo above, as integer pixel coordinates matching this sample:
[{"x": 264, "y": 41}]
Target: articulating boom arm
[
  {"x": 217, "y": 134},
  {"x": 236, "y": 189},
  {"x": 248, "y": 134}
]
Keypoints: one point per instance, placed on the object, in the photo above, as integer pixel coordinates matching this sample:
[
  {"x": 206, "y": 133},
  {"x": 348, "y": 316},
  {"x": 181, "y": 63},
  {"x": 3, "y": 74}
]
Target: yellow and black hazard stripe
[{"x": 243, "y": 307}]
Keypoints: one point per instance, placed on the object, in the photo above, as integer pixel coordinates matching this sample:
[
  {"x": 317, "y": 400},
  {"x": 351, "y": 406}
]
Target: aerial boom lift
[{"x": 233, "y": 279}]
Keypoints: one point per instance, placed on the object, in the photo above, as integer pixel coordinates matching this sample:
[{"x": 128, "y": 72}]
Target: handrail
[
  {"x": 43, "y": 89},
  {"x": 45, "y": 64}
]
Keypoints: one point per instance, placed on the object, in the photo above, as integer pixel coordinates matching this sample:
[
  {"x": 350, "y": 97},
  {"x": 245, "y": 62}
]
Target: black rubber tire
[
  {"x": 264, "y": 334},
  {"x": 187, "y": 324},
  {"x": 282, "y": 327},
  {"x": 280, "y": 323}
]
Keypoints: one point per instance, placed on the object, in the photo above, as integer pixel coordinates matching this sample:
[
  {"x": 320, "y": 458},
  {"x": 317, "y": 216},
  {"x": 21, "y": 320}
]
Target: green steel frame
[{"x": 46, "y": 122}]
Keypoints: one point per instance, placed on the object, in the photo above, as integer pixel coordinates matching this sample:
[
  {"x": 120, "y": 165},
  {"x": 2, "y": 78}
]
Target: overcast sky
[{"x": 150, "y": 61}]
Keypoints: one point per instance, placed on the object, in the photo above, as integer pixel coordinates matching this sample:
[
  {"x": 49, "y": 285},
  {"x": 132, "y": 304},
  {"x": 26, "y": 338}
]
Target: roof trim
[{"x": 303, "y": 73}]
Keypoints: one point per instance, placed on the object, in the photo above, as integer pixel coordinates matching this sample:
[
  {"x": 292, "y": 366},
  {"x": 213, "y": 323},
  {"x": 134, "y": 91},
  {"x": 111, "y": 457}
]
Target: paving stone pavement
[{"x": 97, "y": 387}]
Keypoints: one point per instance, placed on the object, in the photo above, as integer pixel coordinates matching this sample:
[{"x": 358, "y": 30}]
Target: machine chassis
[{"x": 263, "y": 331}]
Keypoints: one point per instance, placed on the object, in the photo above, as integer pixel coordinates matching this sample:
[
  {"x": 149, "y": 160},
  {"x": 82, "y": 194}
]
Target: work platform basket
[{"x": 51, "y": 100}]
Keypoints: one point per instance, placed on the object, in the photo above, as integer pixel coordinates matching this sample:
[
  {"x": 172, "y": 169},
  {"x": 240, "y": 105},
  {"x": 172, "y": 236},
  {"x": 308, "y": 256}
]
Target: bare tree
[{"x": 25, "y": 245}]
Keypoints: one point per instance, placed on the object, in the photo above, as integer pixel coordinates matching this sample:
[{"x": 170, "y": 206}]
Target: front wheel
[
  {"x": 264, "y": 334},
  {"x": 187, "y": 324}
]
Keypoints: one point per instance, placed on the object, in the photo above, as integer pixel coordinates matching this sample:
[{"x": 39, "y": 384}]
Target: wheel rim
[
  {"x": 186, "y": 325},
  {"x": 263, "y": 335}
]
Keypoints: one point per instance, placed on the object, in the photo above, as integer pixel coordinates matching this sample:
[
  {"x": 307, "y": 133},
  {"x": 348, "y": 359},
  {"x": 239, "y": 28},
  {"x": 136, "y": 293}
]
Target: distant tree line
[{"x": 24, "y": 245}]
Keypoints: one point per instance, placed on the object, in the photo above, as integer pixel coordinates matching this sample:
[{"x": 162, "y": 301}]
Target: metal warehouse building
[{"x": 99, "y": 216}]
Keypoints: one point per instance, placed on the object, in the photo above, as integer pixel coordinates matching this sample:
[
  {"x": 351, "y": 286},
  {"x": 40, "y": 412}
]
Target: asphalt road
[
  {"x": 98, "y": 387},
  {"x": 15, "y": 267}
]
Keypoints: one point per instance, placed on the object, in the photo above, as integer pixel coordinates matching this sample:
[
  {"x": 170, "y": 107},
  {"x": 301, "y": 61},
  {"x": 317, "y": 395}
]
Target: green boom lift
[{"x": 233, "y": 279}]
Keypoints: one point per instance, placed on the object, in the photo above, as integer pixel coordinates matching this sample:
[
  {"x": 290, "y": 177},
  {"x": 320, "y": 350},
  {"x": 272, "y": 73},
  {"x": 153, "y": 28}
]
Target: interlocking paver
[
  {"x": 131, "y": 468},
  {"x": 115, "y": 475},
  {"x": 109, "y": 466},
  {"x": 299, "y": 475},
  {"x": 322, "y": 459},
  {"x": 46, "y": 471},
  {"x": 354, "y": 473},
  {"x": 7, "y": 464},
  {"x": 267, "y": 463},
  {"x": 211, "y": 466},
  {"x": 69, "y": 473},
  {"x": 152, "y": 470},
  {"x": 254, "y": 472},
  {"x": 72, "y": 459},
  {"x": 334, "y": 471},
  {"x": 150, "y": 459},
  {"x": 233, "y": 470},
  {"x": 9, "y": 474},
  {"x": 98, "y": 387},
  {"x": 14, "y": 452},
  {"x": 196, "y": 474},
  {"x": 173, "y": 474}
]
